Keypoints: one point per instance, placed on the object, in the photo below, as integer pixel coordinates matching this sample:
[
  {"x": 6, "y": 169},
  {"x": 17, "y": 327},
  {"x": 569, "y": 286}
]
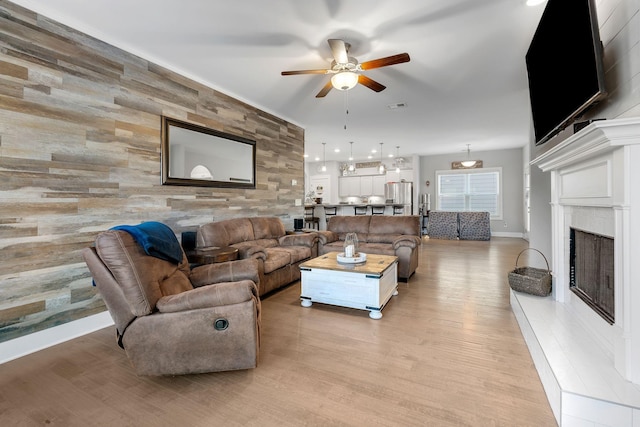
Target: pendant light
[
  {"x": 397, "y": 159},
  {"x": 352, "y": 165},
  {"x": 324, "y": 157},
  {"x": 468, "y": 163},
  {"x": 382, "y": 168}
]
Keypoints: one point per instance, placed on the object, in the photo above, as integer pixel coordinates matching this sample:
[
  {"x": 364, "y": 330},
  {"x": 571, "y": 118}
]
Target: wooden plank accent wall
[{"x": 80, "y": 153}]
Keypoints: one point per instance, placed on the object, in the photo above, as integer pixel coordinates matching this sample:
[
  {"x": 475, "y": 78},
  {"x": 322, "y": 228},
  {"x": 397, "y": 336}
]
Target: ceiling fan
[{"x": 347, "y": 71}]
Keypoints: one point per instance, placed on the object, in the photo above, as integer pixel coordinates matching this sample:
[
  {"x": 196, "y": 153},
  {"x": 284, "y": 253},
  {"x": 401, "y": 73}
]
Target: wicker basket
[{"x": 534, "y": 281}]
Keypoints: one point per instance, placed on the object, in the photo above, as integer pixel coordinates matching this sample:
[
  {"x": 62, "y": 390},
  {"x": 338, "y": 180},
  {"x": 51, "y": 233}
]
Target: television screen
[{"x": 564, "y": 66}]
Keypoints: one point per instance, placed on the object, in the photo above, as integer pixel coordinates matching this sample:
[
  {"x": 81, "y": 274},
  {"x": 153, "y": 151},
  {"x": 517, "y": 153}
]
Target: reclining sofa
[
  {"x": 397, "y": 235},
  {"x": 265, "y": 239},
  {"x": 171, "y": 319}
]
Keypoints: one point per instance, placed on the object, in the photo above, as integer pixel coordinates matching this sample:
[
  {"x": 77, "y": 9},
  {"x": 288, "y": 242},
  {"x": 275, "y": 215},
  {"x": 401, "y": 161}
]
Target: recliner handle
[{"x": 220, "y": 324}]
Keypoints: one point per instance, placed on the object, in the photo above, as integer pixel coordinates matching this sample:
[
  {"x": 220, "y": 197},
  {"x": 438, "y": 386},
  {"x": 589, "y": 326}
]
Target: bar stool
[
  {"x": 309, "y": 217},
  {"x": 359, "y": 210},
  {"x": 377, "y": 210},
  {"x": 330, "y": 211}
]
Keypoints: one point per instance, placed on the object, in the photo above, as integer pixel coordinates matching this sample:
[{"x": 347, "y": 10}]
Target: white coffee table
[{"x": 365, "y": 286}]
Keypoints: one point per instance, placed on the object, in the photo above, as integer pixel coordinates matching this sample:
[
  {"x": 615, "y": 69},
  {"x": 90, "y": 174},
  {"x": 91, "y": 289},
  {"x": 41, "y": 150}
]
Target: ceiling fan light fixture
[{"x": 344, "y": 80}]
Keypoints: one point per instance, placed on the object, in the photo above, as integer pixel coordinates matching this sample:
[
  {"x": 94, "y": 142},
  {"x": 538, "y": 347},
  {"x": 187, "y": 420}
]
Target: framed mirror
[{"x": 198, "y": 156}]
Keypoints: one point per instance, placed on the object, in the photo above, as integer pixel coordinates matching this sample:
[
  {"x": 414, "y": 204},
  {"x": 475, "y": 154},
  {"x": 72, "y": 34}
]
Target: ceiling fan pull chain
[{"x": 346, "y": 109}]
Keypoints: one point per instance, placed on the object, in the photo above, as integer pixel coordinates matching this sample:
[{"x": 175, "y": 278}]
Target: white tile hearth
[{"x": 582, "y": 385}]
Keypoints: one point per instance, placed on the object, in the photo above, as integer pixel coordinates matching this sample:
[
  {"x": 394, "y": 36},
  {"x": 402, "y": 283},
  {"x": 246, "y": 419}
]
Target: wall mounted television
[{"x": 564, "y": 66}]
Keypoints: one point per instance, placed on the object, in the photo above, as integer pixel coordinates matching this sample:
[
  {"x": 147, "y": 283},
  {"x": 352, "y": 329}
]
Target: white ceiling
[{"x": 466, "y": 82}]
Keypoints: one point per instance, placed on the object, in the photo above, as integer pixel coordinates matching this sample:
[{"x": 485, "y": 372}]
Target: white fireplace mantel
[{"x": 598, "y": 138}]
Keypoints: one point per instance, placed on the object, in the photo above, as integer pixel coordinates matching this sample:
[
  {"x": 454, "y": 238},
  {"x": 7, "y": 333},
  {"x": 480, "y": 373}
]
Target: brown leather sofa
[
  {"x": 397, "y": 235},
  {"x": 170, "y": 319},
  {"x": 265, "y": 239}
]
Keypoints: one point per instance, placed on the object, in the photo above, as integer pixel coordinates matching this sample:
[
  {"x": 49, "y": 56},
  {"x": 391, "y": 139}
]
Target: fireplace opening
[{"x": 591, "y": 271}]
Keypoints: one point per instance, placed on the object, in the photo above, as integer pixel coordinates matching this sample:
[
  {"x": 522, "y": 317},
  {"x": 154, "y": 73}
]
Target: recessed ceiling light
[{"x": 337, "y": 150}]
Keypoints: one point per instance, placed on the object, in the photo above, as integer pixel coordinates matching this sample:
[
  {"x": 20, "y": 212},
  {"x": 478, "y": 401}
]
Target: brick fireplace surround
[{"x": 589, "y": 368}]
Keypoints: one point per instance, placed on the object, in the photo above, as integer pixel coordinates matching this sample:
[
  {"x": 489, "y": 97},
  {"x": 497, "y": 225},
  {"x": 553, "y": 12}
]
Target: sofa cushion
[
  {"x": 349, "y": 224},
  {"x": 265, "y": 243},
  {"x": 377, "y": 248},
  {"x": 267, "y": 227},
  {"x": 224, "y": 233},
  {"x": 382, "y": 238},
  {"x": 144, "y": 279},
  {"x": 239, "y": 230},
  {"x": 296, "y": 253},
  {"x": 407, "y": 224},
  {"x": 276, "y": 259}
]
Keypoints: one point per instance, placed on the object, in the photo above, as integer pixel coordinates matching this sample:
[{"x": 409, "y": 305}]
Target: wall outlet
[
  {"x": 294, "y": 182},
  {"x": 298, "y": 202},
  {"x": 505, "y": 224}
]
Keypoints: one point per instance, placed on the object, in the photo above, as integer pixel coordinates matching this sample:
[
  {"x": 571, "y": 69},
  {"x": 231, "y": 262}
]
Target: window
[{"x": 470, "y": 190}]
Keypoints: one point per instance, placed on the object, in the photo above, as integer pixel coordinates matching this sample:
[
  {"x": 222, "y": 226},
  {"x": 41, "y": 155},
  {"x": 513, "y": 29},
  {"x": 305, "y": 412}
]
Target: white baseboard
[
  {"x": 18, "y": 347},
  {"x": 507, "y": 234}
]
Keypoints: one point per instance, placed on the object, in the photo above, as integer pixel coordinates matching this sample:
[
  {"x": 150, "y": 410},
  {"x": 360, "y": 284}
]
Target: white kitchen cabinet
[
  {"x": 378, "y": 182},
  {"x": 366, "y": 186},
  {"x": 349, "y": 186}
]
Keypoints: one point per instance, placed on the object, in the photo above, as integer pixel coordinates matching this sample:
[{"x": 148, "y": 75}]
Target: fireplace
[
  {"x": 591, "y": 271},
  {"x": 585, "y": 337}
]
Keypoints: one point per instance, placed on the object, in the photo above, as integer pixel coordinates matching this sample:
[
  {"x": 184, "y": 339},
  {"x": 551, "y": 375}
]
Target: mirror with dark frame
[{"x": 198, "y": 156}]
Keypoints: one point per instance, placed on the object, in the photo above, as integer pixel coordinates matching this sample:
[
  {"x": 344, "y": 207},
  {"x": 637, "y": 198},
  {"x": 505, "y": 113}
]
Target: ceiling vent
[{"x": 396, "y": 106}]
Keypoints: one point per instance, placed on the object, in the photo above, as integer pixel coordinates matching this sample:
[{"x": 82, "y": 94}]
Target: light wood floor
[{"x": 448, "y": 352}]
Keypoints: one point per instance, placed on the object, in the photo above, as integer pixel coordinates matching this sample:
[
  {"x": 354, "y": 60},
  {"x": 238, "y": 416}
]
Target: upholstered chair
[{"x": 172, "y": 320}]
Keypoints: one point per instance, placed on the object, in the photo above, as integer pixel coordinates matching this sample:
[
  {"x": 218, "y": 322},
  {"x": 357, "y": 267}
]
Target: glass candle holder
[{"x": 351, "y": 245}]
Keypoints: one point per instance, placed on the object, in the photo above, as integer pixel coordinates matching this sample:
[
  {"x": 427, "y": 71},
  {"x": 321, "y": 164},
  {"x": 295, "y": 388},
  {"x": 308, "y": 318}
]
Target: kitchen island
[{"x": 344, "y": 209}]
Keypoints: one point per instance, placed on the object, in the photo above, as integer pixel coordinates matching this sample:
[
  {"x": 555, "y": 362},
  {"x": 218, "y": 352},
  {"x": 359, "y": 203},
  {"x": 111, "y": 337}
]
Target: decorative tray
[{"x": 360, "y": 257}]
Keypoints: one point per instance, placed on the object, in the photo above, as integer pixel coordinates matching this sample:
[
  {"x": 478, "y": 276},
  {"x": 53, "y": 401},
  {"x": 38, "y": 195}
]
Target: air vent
[{"x": 396, "y": 106}]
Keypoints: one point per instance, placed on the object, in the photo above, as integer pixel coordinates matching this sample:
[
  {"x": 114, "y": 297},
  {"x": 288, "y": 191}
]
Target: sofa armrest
[
  {"x": 216, "y": 295},
  {"x": 230, "y": 271},
  {"x": 247, "y": 251},
  {"x": 406, "y": 241},
  {"x": 325, "y": 236},
  {"x": 301, "y": 239}
]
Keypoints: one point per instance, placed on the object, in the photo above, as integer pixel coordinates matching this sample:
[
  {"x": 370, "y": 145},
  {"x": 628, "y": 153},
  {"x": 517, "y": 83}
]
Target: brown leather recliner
[{"x": 172, "y": 320}]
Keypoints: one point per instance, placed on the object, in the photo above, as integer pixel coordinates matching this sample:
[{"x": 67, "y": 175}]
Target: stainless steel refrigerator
[{"x": 400, "y": 193}]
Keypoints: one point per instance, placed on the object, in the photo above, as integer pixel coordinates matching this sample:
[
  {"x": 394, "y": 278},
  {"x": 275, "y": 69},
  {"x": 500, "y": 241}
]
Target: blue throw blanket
[{"x": 157, "y": 240}]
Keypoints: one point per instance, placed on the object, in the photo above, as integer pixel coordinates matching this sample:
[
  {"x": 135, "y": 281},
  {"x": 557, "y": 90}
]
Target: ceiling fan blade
[
  {"x": 339, "y": 51},
  {"x": 325, "y": 90},
  {"x": 383, "y": 62},
  {"x": 295, "y": 72},
  {"x": 371, "y": 84}
]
